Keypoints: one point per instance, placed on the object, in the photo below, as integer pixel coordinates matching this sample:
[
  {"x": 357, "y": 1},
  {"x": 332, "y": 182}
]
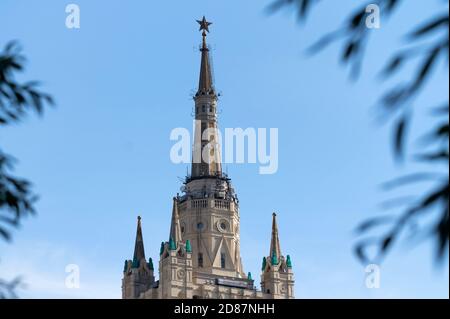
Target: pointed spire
[
  {"x": 275, "y": 250},
  {"x": 139, "y": 244},
  {"x": 205, "y": 84},
  {"x": 175, "y": 228}
]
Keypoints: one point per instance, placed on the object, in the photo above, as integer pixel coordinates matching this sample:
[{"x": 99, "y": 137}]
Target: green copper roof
[
  {"x": 125, "y": 266},
  {"x": 135, "y": 263},
  {"x": 264, "y": 262},
  {"x": 161, "y": 250},
  {"x": 249, "y": 276},
  {"x": 288, "y": 261},
  {"x": 188, "y": 246},
  {"x": 172, "y": 244},
  {"x": 274, "y": 260},
  {"x": 150, "y": 264}
]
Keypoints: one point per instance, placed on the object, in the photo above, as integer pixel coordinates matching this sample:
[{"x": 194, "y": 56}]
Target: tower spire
[
  {"x": 139, "y": 253},
  {"x": 205, "y": 83},
  {"x": 175, "y": 229},
  {"x": 206, "y": 155},
  {"x": 275, "y": 250}
]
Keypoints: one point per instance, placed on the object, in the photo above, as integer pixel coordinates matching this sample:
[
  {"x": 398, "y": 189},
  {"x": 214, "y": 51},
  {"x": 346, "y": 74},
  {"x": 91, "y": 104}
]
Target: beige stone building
[{"x": 201, "y": 258}]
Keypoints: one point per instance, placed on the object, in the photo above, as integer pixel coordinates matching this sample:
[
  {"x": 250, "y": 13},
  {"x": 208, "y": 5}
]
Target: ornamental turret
[
  {"x": 137, "y": 273},
  {"x": 277, "y": 278}
]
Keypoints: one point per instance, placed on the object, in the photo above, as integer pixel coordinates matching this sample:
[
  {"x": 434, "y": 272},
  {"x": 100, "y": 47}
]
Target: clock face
[
  {"x": 200, "y": 226},
  {"x": 222, "y": 225}
]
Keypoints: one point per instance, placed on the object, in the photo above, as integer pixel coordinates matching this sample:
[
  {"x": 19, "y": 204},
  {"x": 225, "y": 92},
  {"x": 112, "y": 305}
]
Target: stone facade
[{"x": 201, "y": 258}]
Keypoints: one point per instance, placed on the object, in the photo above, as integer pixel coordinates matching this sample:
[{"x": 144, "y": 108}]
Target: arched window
[
  {"x": 200, "y": 259},
  {"x": 222, "y": 260}
]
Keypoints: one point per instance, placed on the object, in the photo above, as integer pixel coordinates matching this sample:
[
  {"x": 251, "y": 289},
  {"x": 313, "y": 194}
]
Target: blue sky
[{"x": 122, "y": 82}]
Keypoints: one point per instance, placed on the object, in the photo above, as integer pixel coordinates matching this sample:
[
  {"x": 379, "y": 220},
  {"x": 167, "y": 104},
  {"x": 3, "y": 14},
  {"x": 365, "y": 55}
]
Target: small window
[
  {"x": 211, "y": 109},
  {"x": 200, "y": 259},
  {"x": 203, "y": 108},
  {"x": 222, "y": 260},
  {"x": 200, "y": 226}
]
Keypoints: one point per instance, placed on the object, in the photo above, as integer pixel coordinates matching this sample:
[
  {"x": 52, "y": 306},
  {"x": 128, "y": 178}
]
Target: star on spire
[{"x": 204, "y": 25}]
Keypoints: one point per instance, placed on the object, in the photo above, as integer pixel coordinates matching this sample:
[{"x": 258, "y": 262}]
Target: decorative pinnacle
[
  {"x": 288, "y": 261},
  {"x": 188, "y": 246},
  {"x": 264, "y": 263}
]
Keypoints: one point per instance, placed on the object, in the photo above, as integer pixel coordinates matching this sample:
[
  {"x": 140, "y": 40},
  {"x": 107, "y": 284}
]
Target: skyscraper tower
[{"x": 201, "y": 257}]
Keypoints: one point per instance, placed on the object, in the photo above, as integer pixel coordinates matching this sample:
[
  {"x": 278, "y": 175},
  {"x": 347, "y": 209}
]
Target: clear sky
[{"x": 123, "y": 81}]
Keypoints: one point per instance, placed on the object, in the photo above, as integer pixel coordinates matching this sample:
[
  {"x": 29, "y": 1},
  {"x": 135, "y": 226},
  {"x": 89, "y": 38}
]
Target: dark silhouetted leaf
[
  {"x": 360, "y": 251},
  {"x": 442, "y": 230},
  {"x": 430, "y": 26},
  {"x": 387, "y": 242},
  {"x": 391, "y": 5},
  {"x": 400, "y": 132},
  {"x": 396, "y": 202},
  {"x": 323, "y": 42},
  {"x": 393, "y": 65},
  {"x": 350, "y": 50},
  {"x": 395, "y": 97},
  {"x": 373, "y": 222},
  {"x": 437, "y": 156},
  {"x": 356, "y": 20},
  {"x": 425, "y": 69}
]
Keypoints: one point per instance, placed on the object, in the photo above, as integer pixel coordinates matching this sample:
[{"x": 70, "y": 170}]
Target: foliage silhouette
[
  {"x": 396, "y": 105},
  {"x": 16, "y": 196}
]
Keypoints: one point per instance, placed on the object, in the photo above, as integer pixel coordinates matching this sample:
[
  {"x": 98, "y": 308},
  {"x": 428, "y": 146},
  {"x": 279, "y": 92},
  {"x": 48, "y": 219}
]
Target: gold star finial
[{"x": 204, "y": 25}]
